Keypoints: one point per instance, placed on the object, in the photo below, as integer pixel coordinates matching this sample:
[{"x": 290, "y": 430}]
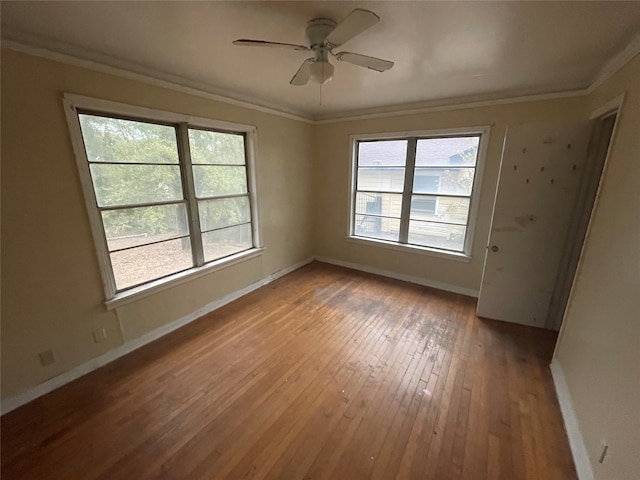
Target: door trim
[{"x": 613, "y": 106}]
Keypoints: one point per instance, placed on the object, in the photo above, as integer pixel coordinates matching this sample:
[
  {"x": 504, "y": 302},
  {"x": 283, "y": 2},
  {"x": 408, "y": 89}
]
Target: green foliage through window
[{"x": 141, "y": 192}]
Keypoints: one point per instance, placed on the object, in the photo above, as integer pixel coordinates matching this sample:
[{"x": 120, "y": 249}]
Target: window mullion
[
  {"x": 190, "y": 194},
  {"x": 408, "y": 187}
]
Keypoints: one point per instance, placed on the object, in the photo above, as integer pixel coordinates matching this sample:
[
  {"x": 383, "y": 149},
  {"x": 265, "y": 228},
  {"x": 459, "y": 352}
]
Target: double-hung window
[
  {"x": 418, "y": 190},
  {"x": 167, "y": 195}
]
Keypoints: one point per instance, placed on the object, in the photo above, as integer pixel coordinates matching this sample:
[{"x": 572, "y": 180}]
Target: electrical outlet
[
  {"x": 47, "y": 358},
  {"x": 100, "y": 335}
]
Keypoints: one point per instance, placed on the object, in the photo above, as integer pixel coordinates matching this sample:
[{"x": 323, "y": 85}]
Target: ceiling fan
[{"x": 323, "y": 36}]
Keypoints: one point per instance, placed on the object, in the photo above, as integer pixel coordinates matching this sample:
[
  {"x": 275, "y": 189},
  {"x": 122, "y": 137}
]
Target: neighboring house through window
[{"x": 418, "y": 190}]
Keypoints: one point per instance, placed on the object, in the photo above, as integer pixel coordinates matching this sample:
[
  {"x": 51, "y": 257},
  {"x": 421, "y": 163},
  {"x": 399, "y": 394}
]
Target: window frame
[
  {"x": 412, "y": 137},
  {"x": 79, "y": 104}
]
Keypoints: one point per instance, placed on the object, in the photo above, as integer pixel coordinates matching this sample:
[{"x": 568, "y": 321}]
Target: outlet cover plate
[{"x": 100, "y": 335}]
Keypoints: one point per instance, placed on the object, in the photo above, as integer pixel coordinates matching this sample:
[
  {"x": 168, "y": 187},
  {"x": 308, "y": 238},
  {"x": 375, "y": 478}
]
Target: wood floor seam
[{"x": 325, "y": 373}]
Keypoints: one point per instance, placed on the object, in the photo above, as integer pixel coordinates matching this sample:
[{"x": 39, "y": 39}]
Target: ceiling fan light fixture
[
  {"x": 321, "y": 71},
  {"x": 323, "y": 36}
]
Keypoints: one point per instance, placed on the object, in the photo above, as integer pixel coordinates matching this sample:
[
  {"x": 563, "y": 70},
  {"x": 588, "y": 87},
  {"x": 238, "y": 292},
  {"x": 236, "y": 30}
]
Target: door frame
[{"x": 574, "y": 249}]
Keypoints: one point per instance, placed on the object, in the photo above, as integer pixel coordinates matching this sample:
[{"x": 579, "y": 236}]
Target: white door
[{"x": 540, "y": 176}]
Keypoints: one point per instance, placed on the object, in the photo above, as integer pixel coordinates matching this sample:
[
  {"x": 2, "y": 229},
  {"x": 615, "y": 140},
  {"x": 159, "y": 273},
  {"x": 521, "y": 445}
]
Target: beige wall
[
  {"x": 52, "y": 295},
  {"x": 599, "y": 346},
  {"x": 332, "y": 185},
  {"x": 51, "y": 287}
]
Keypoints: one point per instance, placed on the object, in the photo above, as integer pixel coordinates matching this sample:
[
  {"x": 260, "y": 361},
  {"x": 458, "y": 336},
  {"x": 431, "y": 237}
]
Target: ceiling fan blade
[
  {"x": 244, "y": 42},
  {"x": 354, "y": 24},
  {"x": 303, "y": 74},
  {"x": 373, "y": 63}
]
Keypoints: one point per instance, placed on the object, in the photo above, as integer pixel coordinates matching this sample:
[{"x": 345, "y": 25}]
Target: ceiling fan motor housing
[
  {"x": 323, "y": 35},
  {"x": 318, "y": 29}
]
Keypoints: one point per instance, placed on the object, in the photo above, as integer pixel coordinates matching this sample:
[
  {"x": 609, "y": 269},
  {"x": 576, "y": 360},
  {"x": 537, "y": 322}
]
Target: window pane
[
  {"x": 129, "y": 227},
  {"x": 385, "y": 179},
  {"x": 133, "y": 184},
  {"x": 390, "y": 153},
  {"x": 437, "y": 235},
  {"x": 216, "y": 147},
  {"x": 377, "y": 227},
  {"x": 212, "y": 181},
  {"x": 442, "y": 209},
  {"x": 220, "y": 243},
  {"x": 386, "y": 204},
  {"x": 448, "y": 181},
  {"x": 444, "y": 152},
  {"x": 127, "y": 141},
  {"x": 150, "y": 262},
  {"x": 223, "y": 212}
]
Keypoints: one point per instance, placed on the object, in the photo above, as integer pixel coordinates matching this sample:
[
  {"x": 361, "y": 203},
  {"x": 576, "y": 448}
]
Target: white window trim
[
  {"x": 155, "y": 286},
  {"x": 72, "y": 103},
  {"x": 474, "y": 199},
  {"x": 401, "y": 247}
]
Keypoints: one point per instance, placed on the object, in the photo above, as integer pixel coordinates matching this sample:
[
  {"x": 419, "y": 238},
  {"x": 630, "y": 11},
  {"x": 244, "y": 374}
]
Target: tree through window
[{"x": 171, "y": 197}]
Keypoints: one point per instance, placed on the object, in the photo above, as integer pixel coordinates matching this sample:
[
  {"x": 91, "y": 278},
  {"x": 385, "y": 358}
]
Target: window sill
[
  {"x": 458, "y": 257},
  {"x": 161, "y": 284}
]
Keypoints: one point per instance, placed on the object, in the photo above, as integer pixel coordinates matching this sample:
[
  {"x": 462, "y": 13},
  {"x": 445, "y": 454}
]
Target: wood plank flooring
[{"x": 326, "y": 373}]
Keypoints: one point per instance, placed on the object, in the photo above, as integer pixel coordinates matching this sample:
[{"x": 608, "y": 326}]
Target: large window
[
  {"x": 417, "y": 190},
  {"x": 166, "y": 195}
]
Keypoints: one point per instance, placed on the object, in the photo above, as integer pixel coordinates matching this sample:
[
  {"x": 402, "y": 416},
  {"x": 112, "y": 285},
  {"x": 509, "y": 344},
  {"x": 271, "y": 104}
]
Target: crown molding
[
  {"x": 612, "y": 66},
  {"x": 616, "y": 63},
  {"x": 67, "y": 54},
  {"x": 449, "y": 105},
  {"x": 104, "y": 64}
]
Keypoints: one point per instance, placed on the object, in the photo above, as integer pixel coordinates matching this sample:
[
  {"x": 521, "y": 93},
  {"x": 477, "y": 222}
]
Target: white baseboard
[
  {"x": 20, "y": 399},
  {"x": 576, "y": 441},
  {"x": 400, "y": 276},
  {"x": 11, "y": 403}
]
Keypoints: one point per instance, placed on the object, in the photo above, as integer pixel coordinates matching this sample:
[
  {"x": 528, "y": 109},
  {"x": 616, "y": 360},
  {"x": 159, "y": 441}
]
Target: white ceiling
[{"x": 442, "y": 50}]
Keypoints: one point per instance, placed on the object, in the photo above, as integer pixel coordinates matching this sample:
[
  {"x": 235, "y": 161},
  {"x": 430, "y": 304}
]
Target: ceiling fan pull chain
[{"x": 321, "y": 85}]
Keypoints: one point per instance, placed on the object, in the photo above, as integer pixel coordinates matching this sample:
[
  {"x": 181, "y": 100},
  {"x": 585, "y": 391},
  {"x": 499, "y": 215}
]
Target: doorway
[
  {"x": 548, "y": 184},
  {"x": 601, "y": 139}
]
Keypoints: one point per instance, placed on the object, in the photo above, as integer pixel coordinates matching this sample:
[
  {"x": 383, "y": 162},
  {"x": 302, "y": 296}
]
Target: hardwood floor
[{"x": 326, "y": 373}]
